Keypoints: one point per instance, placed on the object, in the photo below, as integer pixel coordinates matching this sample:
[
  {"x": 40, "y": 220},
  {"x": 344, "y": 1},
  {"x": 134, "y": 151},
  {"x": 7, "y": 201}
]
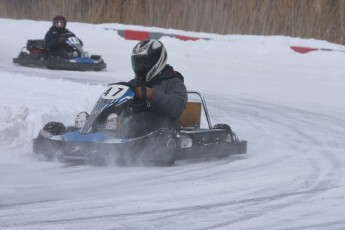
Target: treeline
[{"x": 320, "y": 19}]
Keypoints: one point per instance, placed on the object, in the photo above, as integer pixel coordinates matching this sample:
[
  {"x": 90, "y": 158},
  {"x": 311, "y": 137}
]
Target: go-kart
[
  {"x": 34, "y": 54},
  {"x": 95, "y": 138}
]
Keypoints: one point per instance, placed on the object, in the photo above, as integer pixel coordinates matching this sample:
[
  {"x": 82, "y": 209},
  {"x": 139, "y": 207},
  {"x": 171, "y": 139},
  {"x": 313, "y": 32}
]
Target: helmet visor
[
  {"x": 140, "y": 63},
  {"x": 59, "y": 23}
]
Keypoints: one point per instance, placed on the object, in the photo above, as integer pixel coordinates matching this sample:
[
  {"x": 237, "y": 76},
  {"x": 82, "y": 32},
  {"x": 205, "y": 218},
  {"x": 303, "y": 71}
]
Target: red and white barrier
[
  {"x": 143, "y": 35},
  {"x": 303, "y": 50}
]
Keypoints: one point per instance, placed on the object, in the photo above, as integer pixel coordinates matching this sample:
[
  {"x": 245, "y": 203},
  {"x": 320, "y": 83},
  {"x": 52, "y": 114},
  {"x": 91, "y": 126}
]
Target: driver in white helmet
[{"x": 159, "y": 89}]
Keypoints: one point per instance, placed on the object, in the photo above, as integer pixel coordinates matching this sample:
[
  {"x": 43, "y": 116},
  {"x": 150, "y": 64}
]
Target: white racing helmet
[{"x": 149, "y": 57}]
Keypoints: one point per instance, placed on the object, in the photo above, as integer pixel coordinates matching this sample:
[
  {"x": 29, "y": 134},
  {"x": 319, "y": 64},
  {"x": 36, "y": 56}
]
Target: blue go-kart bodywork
[
  {"x": 35, "y": 55},
  {"x": 92, "y": 143}
]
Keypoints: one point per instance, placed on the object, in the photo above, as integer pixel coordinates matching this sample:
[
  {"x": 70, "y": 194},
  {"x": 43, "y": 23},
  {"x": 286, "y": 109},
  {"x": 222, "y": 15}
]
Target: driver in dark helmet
[
  {"x": 160, "y": 91},
  {"x": 56, "y": 36}
]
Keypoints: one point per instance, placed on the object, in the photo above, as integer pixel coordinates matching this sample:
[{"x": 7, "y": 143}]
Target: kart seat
[
  {"x": 190, "y": 117},
  {"x": 35, "y": 46}
]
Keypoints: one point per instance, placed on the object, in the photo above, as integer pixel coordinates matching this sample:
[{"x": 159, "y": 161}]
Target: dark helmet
[
  {"x": 149, "y": 57},
  {"x": 59, "y": 21}
]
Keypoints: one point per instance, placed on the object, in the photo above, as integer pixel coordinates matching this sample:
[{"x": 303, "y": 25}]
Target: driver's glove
[
  {"x": 144, "y": 93},
  {"x": 62, "y": 39}
]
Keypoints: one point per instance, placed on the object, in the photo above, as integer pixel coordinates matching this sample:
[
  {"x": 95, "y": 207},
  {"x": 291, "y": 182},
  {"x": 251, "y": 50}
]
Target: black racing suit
[
  {"x": 164, "y": 110},
  {"x": 52, "y": 44}
]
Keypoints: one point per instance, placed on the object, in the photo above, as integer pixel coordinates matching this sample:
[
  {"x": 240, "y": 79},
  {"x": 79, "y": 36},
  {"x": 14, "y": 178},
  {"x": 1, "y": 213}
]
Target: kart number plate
[{"x": 114, "y": 91}]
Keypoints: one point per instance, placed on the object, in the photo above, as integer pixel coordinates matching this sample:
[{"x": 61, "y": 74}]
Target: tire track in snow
[
  {"x": 321, "y": 175},
  {"x": 177, "y": 210}
]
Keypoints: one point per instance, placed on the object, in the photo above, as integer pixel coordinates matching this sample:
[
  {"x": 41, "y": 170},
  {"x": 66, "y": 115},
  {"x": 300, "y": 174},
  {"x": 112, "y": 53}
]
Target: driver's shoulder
[{"x": 67, "y": 31}]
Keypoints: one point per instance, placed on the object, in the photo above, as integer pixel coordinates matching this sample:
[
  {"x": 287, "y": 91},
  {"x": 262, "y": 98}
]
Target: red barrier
[
  {"x": 302, "y": 50},
  {"x": 143, "y": 35},
  {"x": 186, "y": 38},
  {"x": 136, "y": 35}
]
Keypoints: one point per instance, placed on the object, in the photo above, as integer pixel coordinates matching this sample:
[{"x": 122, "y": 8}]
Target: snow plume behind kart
[
  {"x": 35, "y": 55},
  {"x": 15, "y": 127},
  {"x": 92, "y": 140}
]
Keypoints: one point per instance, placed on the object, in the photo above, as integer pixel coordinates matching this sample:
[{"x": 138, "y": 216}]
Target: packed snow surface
[{"x": 288, "y": 106}]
